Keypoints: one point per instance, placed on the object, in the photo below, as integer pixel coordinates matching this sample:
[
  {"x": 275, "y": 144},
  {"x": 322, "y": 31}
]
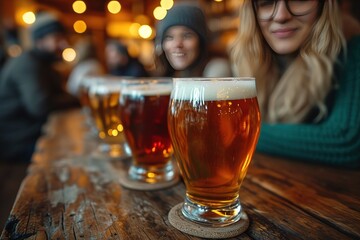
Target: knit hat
[
  {"x": 46, "y": 23},
  {"x": 188, "y": 15}
]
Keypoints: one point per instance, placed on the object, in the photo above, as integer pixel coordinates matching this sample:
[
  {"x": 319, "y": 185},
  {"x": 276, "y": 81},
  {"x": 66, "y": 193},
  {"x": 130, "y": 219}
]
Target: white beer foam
[
  {"x": 105, "y": 88},
  {"x": 147, "y": 90},
  {"x": 211, "y": 90}
]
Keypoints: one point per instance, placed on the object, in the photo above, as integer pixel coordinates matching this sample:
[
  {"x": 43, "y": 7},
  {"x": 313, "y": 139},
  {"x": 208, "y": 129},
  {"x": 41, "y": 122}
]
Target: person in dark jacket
[
  {"x": 3, "y": 54},
  {"x": 30, "y": 88}
]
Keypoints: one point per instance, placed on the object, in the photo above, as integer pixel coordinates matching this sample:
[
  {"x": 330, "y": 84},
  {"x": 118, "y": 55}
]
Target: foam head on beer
[
  {"x": 215, "y": 90},
  {"x": 105, "y": 87},
  {"x": 147, "y": 90}
]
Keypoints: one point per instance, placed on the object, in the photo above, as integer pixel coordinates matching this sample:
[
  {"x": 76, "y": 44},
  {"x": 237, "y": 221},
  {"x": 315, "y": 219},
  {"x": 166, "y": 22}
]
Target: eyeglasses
[{"x": 266, "y": 9}]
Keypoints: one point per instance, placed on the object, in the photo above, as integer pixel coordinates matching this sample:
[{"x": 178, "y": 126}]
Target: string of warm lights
[
  {"x": 113, "y": 7},
  {"x": 138, "y": 28}
]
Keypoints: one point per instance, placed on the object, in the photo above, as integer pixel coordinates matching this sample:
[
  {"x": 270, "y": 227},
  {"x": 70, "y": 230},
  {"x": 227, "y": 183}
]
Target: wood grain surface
[{"x": 72, "y": 192}]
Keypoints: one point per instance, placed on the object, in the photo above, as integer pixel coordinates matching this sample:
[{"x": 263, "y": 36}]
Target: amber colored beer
[
  {"x": 85, "y": 102},
  {"x": 105, "y": 109},
  {"x": 144, "y": 116},
  {"x": 84, "y": 89},
  {"x": 214, "y": 129},
  {"x": 84, "y": 96}
]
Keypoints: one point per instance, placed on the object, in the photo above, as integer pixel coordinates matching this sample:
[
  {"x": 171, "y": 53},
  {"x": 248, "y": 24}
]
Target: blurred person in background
[
  {"x": 30, "y": 88},
  {"x": 350, "y": 16},
  {"x": 352, "y": 7},
  {"x": 182, "y": 45},
  {"x": 87, "y": 64},
  {"x": 120, "y": 63},
  {"x": 3, "y": 54},
  {"x": 308, "y": 79}
]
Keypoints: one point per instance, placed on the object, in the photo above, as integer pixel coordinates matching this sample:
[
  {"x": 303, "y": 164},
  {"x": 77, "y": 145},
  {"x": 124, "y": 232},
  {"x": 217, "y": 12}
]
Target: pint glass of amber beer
[
  {"x": 144, "y": 105},
  {"x": 214, "y": 125},
  {"x": 104, "y": 96}
]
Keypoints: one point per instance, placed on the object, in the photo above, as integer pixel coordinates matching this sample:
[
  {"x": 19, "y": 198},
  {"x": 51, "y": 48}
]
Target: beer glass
[
  {"x": 84, "y": 97},
  {"x": 144, "y": 104},
  {"x": 214, "y": 125},
  {"x": 104, "y": 95}
]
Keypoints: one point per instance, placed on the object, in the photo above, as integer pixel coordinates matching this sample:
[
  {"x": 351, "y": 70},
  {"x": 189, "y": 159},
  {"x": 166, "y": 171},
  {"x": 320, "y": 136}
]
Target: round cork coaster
[
  {"x": 126, "y": 182},
  {"x": 178, "y": 221}
]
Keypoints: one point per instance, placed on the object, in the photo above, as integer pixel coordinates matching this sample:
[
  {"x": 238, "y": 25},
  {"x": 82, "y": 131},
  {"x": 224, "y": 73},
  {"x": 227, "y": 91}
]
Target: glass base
[
  {"x": 153, "y": 174},
  {"x": 115, "y": 150},
  {"x": 214, "y": 217},
  {"x": 178, "y": 221}
]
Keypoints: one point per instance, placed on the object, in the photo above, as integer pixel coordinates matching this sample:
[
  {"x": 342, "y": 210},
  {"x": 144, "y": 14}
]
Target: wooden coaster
[
  {"x": 143, "y": 186},
  {"x": 178, "y": 221}
]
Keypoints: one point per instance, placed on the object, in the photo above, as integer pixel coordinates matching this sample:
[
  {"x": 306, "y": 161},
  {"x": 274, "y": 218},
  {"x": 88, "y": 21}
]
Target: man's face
[{"x": 53, "y": 43}]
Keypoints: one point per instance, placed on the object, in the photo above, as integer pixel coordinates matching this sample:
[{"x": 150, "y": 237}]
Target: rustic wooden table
[{"x": 69, "y": 193}]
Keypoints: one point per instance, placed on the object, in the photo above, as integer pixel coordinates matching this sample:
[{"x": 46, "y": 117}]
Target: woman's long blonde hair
[{"x": 307, "y": 80}]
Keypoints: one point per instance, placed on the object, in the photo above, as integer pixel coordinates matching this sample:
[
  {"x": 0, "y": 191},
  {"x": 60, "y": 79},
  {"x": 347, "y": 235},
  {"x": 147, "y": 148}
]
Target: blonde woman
[{"x": 308, "y": 78}]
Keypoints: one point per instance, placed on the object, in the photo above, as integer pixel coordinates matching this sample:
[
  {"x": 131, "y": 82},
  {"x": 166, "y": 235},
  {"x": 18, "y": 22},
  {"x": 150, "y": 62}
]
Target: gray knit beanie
[
  {"x": 45, "y": 23},
  {"x": 187, "y": 15}
]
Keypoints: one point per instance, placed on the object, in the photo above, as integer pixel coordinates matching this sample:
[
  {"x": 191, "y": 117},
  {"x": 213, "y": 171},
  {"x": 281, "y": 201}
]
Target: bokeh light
[
  {"x": 114, "y": 7},
  {"x": 167, "y": 4},
  {"x": 29, "y": 17},
  {"x": 79, "y": 6},
  {"x": 145, "y": 31},
  {"x": 134, "y": 29},
  {"x": 159, "y": 13},
  {"x": 69, "y": 54},
  {"x": 80, "y": 26}
]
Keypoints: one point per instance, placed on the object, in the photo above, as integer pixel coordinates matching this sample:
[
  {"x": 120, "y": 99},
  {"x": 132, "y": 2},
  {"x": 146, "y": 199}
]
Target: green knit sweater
[{"x": 336, "y": 140}]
